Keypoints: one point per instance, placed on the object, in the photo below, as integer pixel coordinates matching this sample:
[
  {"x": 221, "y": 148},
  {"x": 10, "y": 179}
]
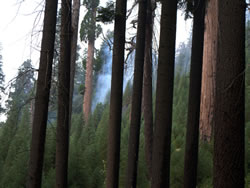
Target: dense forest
[{"x": 136, "y": 110}]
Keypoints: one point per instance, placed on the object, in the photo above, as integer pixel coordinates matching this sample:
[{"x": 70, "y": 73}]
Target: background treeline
[{"x": 87, "y": 163}]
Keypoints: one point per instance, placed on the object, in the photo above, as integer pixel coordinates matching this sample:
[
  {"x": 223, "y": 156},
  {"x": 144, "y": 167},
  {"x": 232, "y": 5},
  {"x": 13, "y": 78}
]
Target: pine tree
[
  {"x": 164, "y": 96},
  {"x": 147, "y": 88},
  {"x": 114, "y": 129},
  {"x": 229, "y": 120},
  {"x": 192, "y": 135},
  {"x": 62, "y": 130},
  {"x": 135, "y": 123},
  {"x": 42, "y": 96}
]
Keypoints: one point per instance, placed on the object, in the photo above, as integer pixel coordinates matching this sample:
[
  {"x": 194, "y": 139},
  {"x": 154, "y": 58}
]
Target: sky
[{"x": 20, "y": 32}]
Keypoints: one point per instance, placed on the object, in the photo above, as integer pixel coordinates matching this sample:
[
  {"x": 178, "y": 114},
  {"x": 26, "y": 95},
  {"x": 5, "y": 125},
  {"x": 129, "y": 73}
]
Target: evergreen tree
[
  {"x": 42, "y": 96},
  {"x": 114, "y": 129},
  {"x": 135, "y": 123},
  {"x": 192, "y": 135},
  {"x": 89, "y": 32},
  {"x": 147, "y": 87},
  {"x": 164, "y": 96},
  {"x": 229, "y": 120},
  {"x": 62, "y": 129}
]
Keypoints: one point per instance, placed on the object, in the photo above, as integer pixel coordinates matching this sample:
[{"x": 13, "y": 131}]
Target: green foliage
[
  {"x": 106, "y": 14},
  {"x": 89, "y": 31}
]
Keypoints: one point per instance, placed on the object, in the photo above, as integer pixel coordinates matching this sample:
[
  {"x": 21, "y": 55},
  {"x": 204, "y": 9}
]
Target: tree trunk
[
  {"x": 42, "y": 96},
  {"x": 164, "y": 96},
  {"x": 147, "y": 90},
  {"x": 75, "y": 23},
  {"x": 229, "y": 121},
  {"x": 208, "y": 74},
  {"x": 192, "y": 135},
  {"x": 135, "y": 122},
  {"x": 114, "y": 130},
  {"x": 62, "y": 131},
  {"x": 89, "y": 75}
]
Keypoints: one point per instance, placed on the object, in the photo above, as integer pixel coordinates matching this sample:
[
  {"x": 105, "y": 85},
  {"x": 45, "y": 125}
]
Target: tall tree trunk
[
  {"x": 62, "y": 131},
  {"x": 229, "y": 121},
  {"x": 89, "y": 75},
  {"x": 135, "y": 122},
  {"x": 147, "y": 90},
  {"x": 75, "y": 24},
  {"x": 114, "y": 129},
  {"x": 208, "y": 74},
  {"x": 192, "y": 135},
  {"x": 39, "y": 122},
  {"x": 164, "y": 96}
]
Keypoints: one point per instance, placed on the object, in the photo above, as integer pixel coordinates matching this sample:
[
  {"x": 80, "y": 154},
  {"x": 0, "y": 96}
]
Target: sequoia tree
[
  {"x": 88, "y": 33},
  {"x": 229, "y": 120},
  {"x": 75, "y": 23},
  {"x": 164, "y": 96},
  {"x": 62, "y": 129},
  {"x": 114, "y": 129},
  {"x": 42, "y": 96},
  {"x": 208, "y": 74},
  {"x": 192, "y": 135},
  {"x": 135, "y": 121}
]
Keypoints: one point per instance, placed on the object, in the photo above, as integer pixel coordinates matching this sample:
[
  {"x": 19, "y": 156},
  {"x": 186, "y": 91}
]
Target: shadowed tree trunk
[
  {"x": 42, "y": 96},
  {"x": 135, "y": 122},
  {"x": 164, "y": 96},
  {"x": 229, "y": 120},
  {"x": 75, "y": 24},
  {"x": 147, "y": 89},
  {"x": 192, "y": 135},
  {"x": 62, "y": 130},
  {"x": 114, "y": 129},
  {"x": 208, "y": 74}
]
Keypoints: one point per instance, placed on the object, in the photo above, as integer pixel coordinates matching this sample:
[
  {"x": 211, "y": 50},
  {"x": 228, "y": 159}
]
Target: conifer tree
[
  {"x": 62, "y": 130},
  {"x": 89, "y": 32},
  {"x": 229, "y": 120},
  {"x": 114, "y": 129},
  {"x": 42, "y": 96},
  {"x": 135, "y": 122},
  {"x": 164, "y": 96},
  {"x": 192, "y": 135}
]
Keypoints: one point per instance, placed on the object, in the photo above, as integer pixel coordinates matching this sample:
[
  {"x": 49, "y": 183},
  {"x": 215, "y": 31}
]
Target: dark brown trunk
[
  {"x": 208, "y": 74},
  {"x": 114, "y": 130},
  {"x": 89, "y": 75},
  {"x": 75, "y": 23},
  {"x": 229, "y": 121},
  {"x": 135, "y": 122},
  {"x": 42, "y": 96},
  {"x": 62, "y": 131},
  {"x": 147, "y": 90},
  {"x": 192, "y": 135},
  {"x": 164, "y": 96}
]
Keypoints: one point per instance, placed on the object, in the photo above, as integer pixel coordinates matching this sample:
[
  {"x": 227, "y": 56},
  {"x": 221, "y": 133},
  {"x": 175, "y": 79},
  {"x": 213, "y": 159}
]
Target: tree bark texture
[
  {"x": 229, "y": 121},
  {"x": 164, "y": 96},
  {"x": 62, "y": 130},
  {"x": 208, "y": 74},
  {"x": 114, "y": 129},
  {"x": 147, "y": 90},
  {"x": 89, "y": 76},
  {"x": 39, "y": 122},
  {"x": 75, "y": 24},
  {"x": 135, "y": 122},
  {"x": 192, "y": 135}
]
